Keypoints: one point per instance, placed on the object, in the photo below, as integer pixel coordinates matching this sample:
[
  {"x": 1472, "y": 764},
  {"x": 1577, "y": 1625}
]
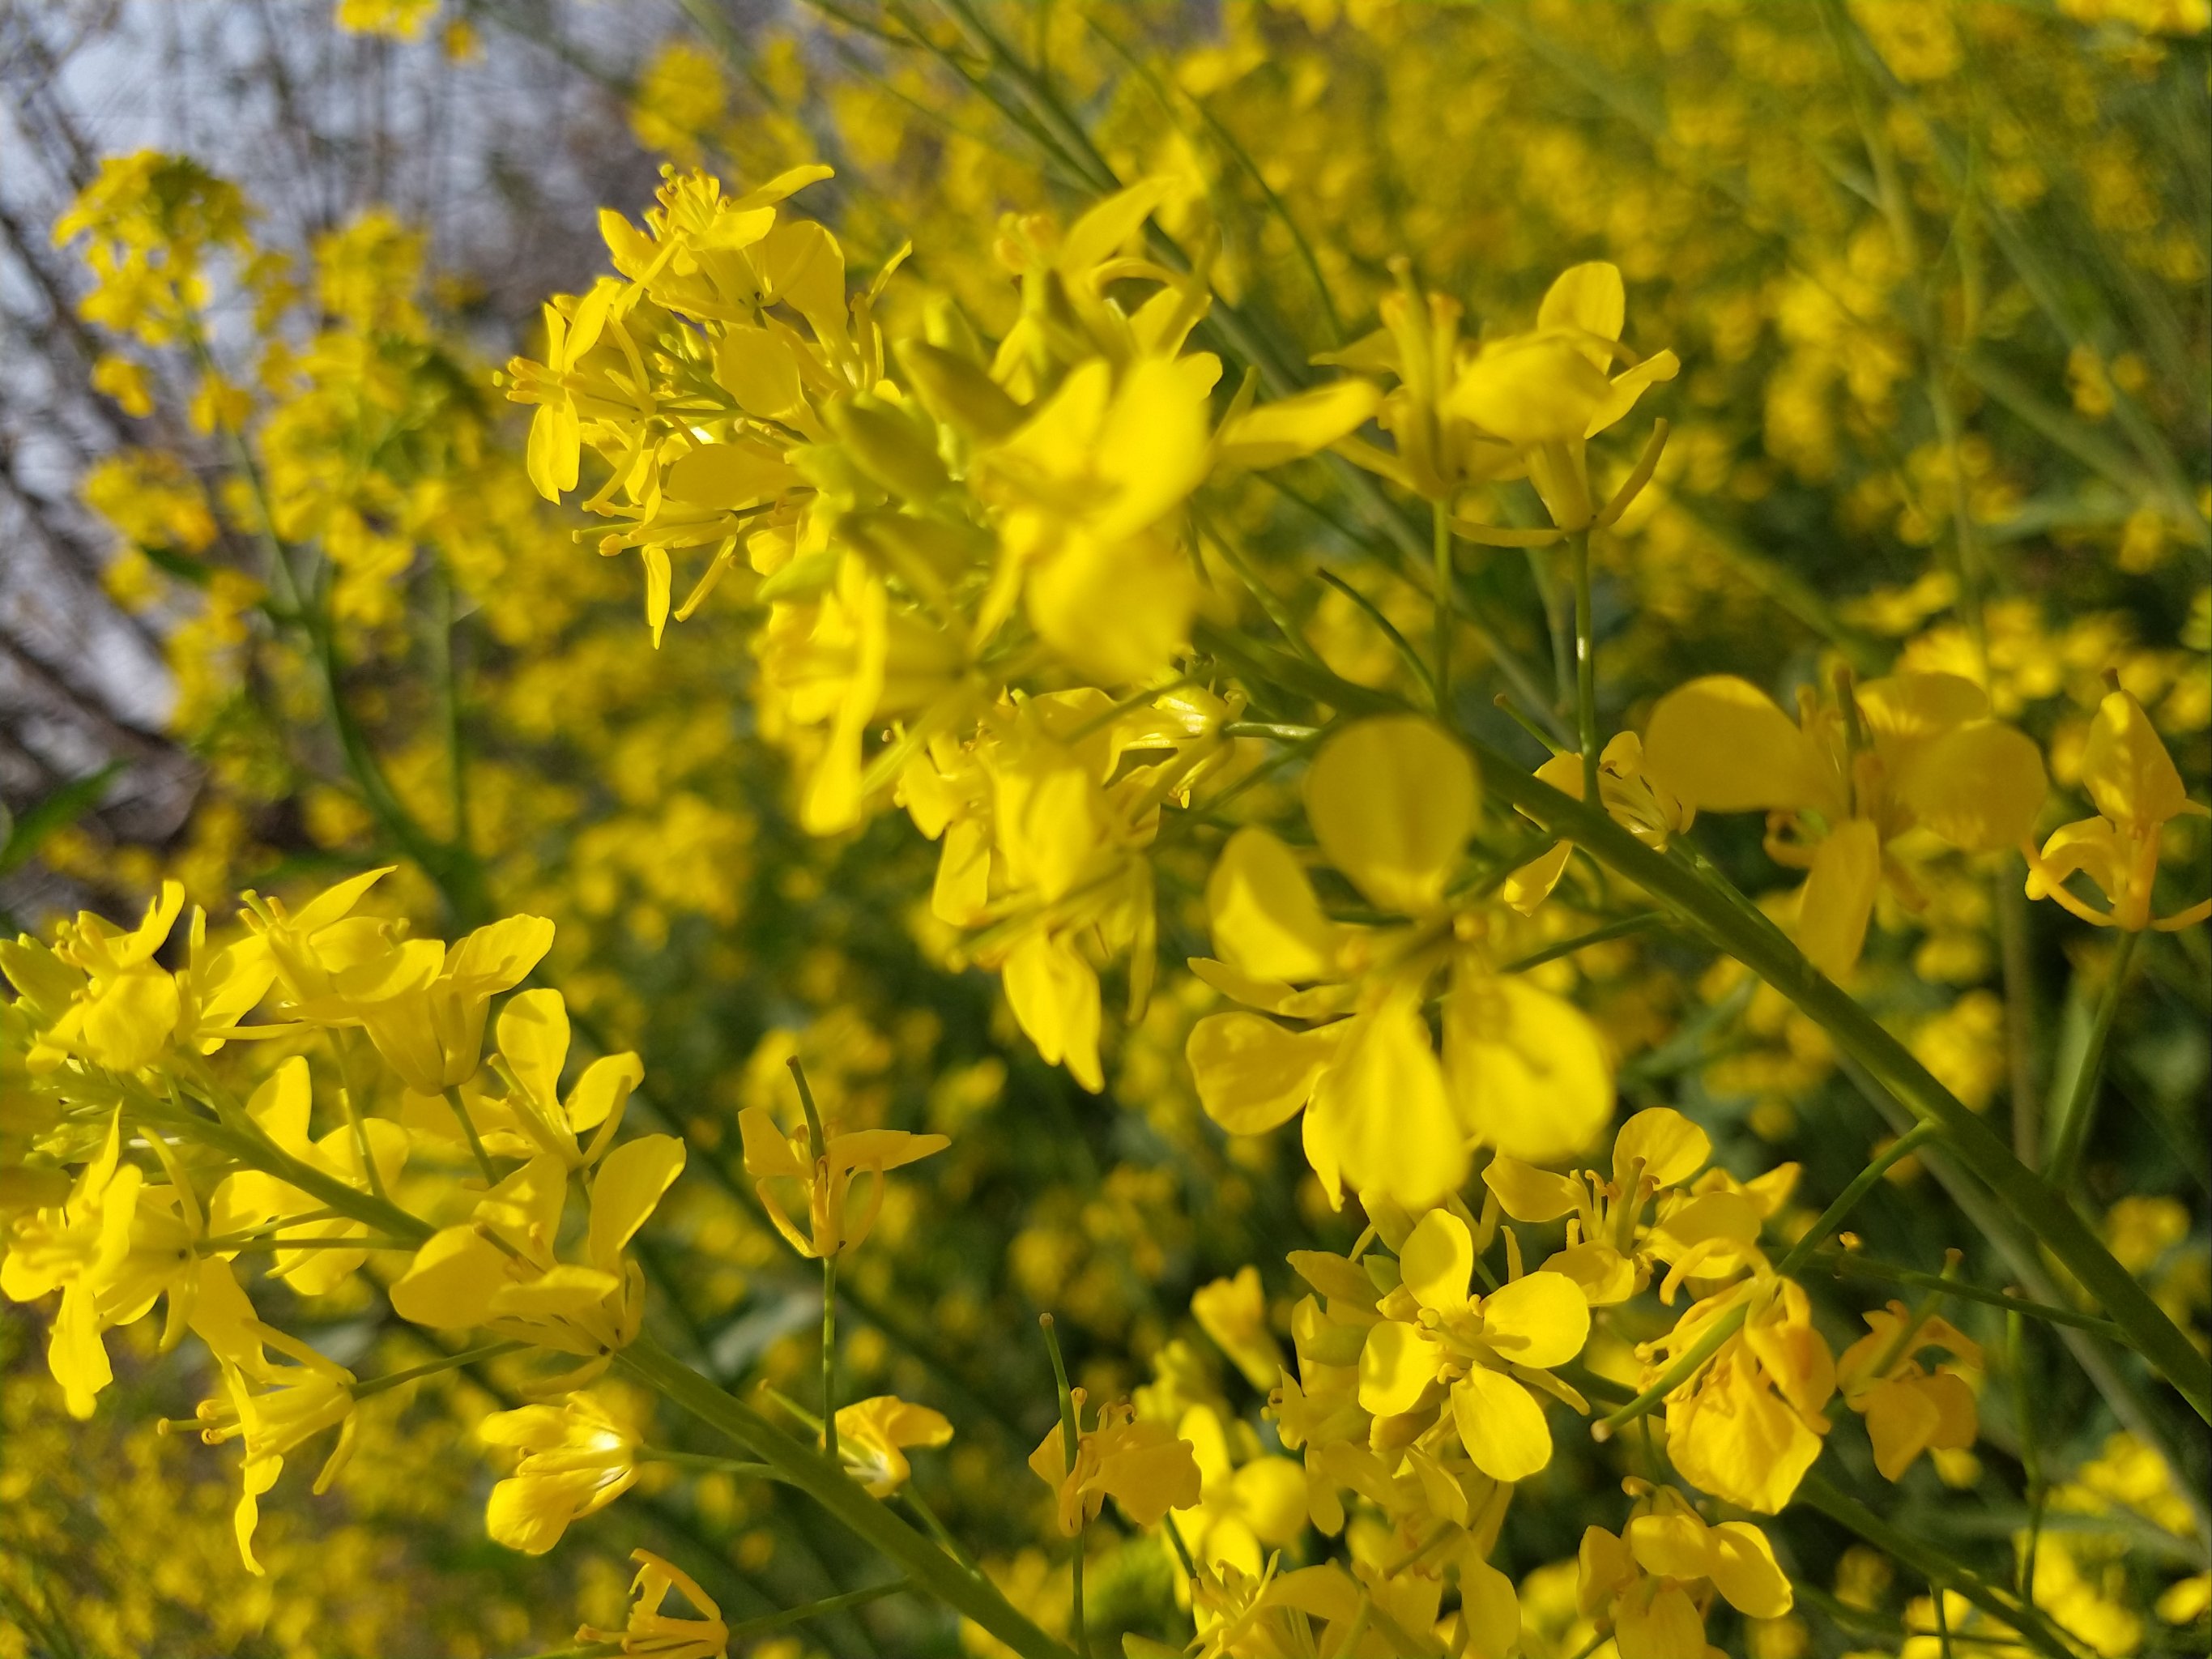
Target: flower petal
[
  {"x": 1725, "y": 747},
  {"x": 1501, "y": 1425},
  {"x": 1393, "y": 802}
]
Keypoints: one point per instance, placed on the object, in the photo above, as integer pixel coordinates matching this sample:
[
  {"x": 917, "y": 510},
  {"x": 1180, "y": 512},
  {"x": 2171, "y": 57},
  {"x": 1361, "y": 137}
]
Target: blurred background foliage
[{"x": 1937, "y": 272}]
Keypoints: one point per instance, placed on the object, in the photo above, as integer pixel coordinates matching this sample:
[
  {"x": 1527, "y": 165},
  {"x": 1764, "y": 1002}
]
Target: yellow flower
[
  {"x": 874, "y": 1435},
  {"x": 532, "y": 1116},
  {"x": 1242, "y": 1510},
  {"x": 75, "y": 1248},
  {"x": 248, "y": 1199},
  {"x": 1392, "y": 802},
  {"x": 1634, "y": 797},
  {"x": 772, "y": 1157},
  {"x": 1547, "y": 392},
  {"x": 1611, "y": 1248},
  {"x": 500, "y": 1270},
  {"x": 1143, "y": 1467},
  {"x": 129, "y": 1006},
  {"x": 1917, "y": 751},
  {"x": 1909, "y": 1410},
  {"x": 424, "y": 1005},
  {"x": 1653, "y": 1582},
  {"x": 576, "y": 1460},
  {"x": 1748, "y": 1426},
  {"x": 125, "y": 381},
  {"x": 2137, "y": 792},
  {"x": 1485, "y": 1351},
  {"x": 1234, "y": 1313},
  {"x": 665, "y": 1635},
  {"x": 276, "y": 1409}
]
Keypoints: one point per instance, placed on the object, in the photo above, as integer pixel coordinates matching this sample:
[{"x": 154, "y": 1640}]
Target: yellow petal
[
  {"x": 1531, "y": 389},
  {"x": 1541, "y": 1319},
  {"x": 1665, "y": 1627},
  {"x": 1671, "y": 1543},
  {"x": 1501, "y": 1425},
  {"x": 1490, "y": 1611},
  {"x": 1725, "y": 747},
  {"x": 1054, "y": 993},
  {"x": 1295, "y": 426},
  {"x": 1838, "y": 897},
  {"x": 1672, "y": 1148},
  {"x": 529, "y": 1516},
  {"x": 1393, "y": 802},
  {"x": 1527, "y": 888},
  {"x": 534, "y": 1039},
  {"x": 451, "y": 1283},
  {"x": 1745, "y": 1571},
  {"x": 605, "y": 1085},
  {"x": 1437, "y": 1261},
  {"x": 1590, "y": 298},
  {"x": 630, "y": 1183},
  {"x": 1265, "y": 917},
  {"x": 1527, "y": 1071},
  {"x": 2126, "y": 768},
  {"x": 1117, "y": 608},
  {"x": 1528, "y": 1194},
  {"x": 768, "y": 1151},
  {"x": 1396, "y": 1365},
  {"x": 1380, "y": 1119},
  {"x": 1629, "y": 386},
  {"x": 1978, "y": 785}
]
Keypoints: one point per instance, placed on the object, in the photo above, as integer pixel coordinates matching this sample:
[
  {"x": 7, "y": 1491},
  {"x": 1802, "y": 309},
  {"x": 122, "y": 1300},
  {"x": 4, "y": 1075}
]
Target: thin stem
[
  {"x": 815, "y": 1138},
  {"x": 1440, "y": 534},
  {"x": 1638, "y": 923},
  {"x": 950, "y": 1545},
  {"x": 476, "y": 1142},
  {"x": 359, "y": 1123},
  {"x": 816, "y": 1609},
  {"x": 702, "y": 1460},
  {"x": 1675, "y": 1375},
  {"x": 2016, "y": 965},
  {"x": 1585, "y": 667},
  {"x": 1938, "y": 1569},
  {"x": 1847, "y": 1200},
  {"x": 830, "y": 1357},
  {"x": 873, "y": 1521},
  {"x": 377, "y": 1385},
  {"x": 1849, "y": 1264},
  {"x": 1070, "y": 1442},
  {"x": 2030, "y": 1457},
  {"x": 2071, "y": 1130}
]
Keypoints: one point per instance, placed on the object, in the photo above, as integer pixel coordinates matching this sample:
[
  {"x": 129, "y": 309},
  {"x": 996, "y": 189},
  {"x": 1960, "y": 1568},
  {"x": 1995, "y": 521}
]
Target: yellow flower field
[{"x": 1304, "y": 830}]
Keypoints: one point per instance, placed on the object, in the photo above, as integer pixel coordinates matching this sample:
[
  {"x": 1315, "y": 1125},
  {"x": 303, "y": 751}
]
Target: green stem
[
  {"x": 377, "y": 1385},
  {"x": 830, "y": 1357},
  {"x": 1070, "y": 1442},
  {"x": 1440, "y": 521},
  {"x": 714, "y": 1465},
  {"x": 476, "y": 1142},
  {"x": 2070, "y": 1132},
  {"x": 1566, "y": 947},
  {"x": 857, "y": 1598},
  {"x": 1938, "y": 1569},
  {"x": 928, "y": 1566},
  {"x": 1848, "y": 1200},
  {"x": 2031, "y": 1459},
  {"x": 1675, "y": 1375},
  {"x": 1585, "y": 667},
  {"x": 1848, "y": 1264}
]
